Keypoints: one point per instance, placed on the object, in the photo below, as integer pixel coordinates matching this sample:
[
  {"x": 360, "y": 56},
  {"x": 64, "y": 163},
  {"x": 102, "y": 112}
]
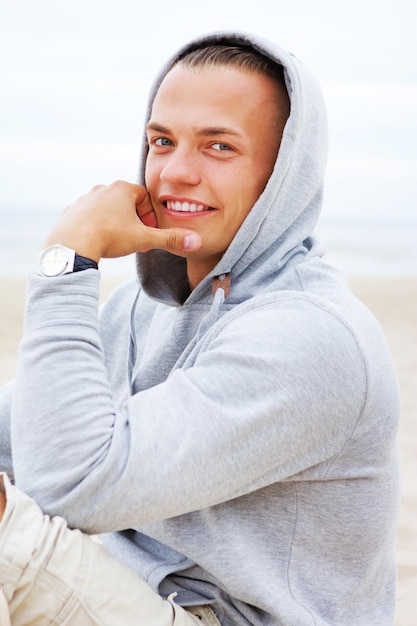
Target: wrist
[
  {"x": 82, "y": 248},
  {"x": 57, "y": 260}
]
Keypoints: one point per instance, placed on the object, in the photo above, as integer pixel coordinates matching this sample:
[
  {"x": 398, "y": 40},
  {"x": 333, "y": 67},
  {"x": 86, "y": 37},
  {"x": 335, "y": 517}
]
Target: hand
[{"x": 116, "y": 220}]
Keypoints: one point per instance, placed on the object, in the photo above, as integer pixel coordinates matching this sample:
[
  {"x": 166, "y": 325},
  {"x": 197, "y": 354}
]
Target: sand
[{"x": 394, "y": 302}]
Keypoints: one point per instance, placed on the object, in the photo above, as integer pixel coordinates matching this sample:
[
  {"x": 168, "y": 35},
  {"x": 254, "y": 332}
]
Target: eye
[
  {"x": 221, "y": 147},
  {"x": 158, "y": 144},
  {"x": 161, "y": 142}
]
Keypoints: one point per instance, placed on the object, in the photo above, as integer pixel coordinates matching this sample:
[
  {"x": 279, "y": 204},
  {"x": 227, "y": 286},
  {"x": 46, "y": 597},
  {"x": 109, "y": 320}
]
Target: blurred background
[{"x": 74, "y": 83}]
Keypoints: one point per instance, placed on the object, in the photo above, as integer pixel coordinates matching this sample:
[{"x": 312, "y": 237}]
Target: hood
[{"x": 280, "y": 224}]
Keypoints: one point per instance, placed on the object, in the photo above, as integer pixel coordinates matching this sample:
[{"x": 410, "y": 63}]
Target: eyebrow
[
  {"x": 158, "y": 128},
  {"x": 206, "y": 131}
]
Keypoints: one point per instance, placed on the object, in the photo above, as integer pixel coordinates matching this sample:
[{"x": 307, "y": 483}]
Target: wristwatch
[{"x": 58, "y": 260}]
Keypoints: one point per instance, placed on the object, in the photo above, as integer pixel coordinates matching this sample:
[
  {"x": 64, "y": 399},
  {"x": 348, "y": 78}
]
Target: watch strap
[{"x": 83, "y": 263}]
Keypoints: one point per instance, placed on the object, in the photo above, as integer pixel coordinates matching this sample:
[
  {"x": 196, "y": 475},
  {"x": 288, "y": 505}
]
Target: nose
[{"x": 181, "y": 167}]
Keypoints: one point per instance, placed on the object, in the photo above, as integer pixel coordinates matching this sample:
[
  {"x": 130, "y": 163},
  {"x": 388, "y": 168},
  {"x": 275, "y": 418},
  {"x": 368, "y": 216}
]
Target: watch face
[{"x": 54, "y": 261}]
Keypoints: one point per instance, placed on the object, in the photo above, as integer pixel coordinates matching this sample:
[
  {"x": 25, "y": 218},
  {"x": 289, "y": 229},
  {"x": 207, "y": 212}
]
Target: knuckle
[
  {"x": 172, "y": 241},
  {"x": 118, "y": 184},
  {"x": 96, "y": 188}
]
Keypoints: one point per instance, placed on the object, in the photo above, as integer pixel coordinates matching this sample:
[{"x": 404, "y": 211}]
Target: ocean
[{"x": 357, "y": 246}]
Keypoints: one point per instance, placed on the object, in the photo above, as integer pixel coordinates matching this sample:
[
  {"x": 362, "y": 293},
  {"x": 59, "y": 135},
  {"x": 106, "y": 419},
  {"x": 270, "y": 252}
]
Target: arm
[
  {"x": 109, "y": 221},
  {"x": 237, "y": 418},
  {"x": 240, "y": 418}
]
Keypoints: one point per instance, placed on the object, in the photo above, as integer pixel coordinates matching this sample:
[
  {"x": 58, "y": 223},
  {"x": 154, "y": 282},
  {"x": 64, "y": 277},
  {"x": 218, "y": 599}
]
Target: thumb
[{"x": 174, "y": 240}]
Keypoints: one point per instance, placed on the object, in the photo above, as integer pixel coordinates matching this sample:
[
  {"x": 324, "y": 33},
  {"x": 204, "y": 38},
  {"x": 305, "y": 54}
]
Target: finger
[
  {"x": 146, "y": 214},
  {"x": 144, "y": 207},
  {"x": 141, "y": 196},
  {"x": 149, "y": 219}
]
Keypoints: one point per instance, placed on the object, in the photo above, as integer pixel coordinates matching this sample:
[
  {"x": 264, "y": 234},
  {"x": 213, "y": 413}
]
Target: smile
[{"x": 186, "y": 207}]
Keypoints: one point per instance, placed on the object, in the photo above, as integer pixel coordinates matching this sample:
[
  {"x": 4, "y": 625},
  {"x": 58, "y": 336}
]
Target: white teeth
[{"x": 187, "y": 207}]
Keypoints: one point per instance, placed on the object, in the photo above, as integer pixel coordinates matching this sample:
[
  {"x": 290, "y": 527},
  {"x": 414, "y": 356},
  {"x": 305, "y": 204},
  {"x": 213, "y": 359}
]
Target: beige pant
[{"x": 51, "y": 575}]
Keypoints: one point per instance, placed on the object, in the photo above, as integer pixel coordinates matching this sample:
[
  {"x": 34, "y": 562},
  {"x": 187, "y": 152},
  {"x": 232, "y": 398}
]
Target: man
[{"x": 228, "y": 423}]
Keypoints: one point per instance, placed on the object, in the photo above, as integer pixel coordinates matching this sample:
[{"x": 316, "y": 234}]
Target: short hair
[{"x": 238, "y": 56}]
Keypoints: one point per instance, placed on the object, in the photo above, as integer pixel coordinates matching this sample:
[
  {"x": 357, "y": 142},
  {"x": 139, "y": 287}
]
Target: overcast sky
[{"x": 75, "y": 77}]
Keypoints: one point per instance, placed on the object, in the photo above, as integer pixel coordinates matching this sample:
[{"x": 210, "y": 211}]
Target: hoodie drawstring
[
  {"x": 220, "y": 288},
  {"x": 223, "y": 281}
]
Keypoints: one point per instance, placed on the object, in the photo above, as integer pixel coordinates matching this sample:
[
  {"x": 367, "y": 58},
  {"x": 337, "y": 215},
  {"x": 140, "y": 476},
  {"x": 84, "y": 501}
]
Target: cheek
[
  {"x": 147, "y": 176},
  {"x": 151, "y": 173}
]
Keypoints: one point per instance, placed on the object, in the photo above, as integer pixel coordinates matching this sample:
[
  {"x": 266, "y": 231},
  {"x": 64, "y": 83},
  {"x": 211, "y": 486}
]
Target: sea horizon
[{"x": 359, "y": 246}]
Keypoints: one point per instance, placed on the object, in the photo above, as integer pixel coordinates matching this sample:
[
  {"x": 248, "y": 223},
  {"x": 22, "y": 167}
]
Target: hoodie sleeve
[{"x": 244, "y": 415}]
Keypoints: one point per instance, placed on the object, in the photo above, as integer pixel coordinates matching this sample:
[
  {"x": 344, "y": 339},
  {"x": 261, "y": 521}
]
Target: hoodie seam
[
  {"x": 300, "y": 604},
  {"x": 299, "y": 279},
  {"x": 336, "y": 457}
]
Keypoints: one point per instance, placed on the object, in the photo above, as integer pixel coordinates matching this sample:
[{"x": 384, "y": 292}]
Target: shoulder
[
  {"x": 293, "y": 315},
  {"x": 303, "y": 339}
]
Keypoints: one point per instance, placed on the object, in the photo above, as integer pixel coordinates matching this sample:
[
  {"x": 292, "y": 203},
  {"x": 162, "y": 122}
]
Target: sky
[{"x": 75, "y": 78}]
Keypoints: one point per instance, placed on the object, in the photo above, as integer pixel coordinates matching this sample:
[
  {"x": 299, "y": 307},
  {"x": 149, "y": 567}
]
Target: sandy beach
[{"x": 394, "y": 302}]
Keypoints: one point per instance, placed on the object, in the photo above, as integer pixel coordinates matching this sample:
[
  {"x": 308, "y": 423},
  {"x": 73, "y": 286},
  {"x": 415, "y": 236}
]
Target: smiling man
[
  {"x": 212, "y": 152},
  {"x": 228, "y": 423}
]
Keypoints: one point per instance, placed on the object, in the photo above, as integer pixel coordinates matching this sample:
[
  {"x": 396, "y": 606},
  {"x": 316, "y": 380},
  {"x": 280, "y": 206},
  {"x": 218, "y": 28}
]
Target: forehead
[{"x": 217, "y": 91}]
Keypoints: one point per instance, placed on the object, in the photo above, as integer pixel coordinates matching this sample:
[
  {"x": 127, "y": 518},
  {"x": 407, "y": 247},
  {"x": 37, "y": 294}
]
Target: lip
[{"x": 181, "y": 207}]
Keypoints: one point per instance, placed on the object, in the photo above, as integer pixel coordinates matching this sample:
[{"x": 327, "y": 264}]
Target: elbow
[{"x": 56, "y": 498}]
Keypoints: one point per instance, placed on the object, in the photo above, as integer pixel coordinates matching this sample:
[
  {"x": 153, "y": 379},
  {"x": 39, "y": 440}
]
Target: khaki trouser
[{"x": 51, "y": 575}]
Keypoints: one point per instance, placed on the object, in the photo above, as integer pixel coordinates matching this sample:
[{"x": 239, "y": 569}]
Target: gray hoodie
[{"x": 237, "y": 448}]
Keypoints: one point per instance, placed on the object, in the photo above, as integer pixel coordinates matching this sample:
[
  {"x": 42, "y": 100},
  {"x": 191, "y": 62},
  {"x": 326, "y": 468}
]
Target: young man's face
[{"x": 213, "y": 139}]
